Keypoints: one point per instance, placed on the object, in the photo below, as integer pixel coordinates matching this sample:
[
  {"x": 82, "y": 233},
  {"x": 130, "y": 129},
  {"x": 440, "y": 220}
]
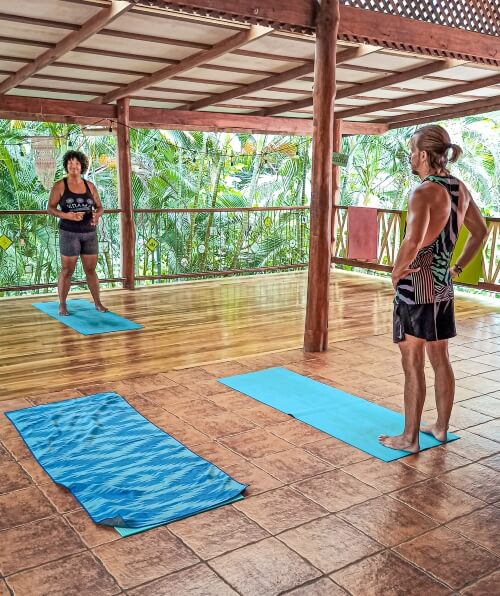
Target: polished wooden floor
[
  {"x": 186, "y": 325},
  {"x": 319, "y": 517}
]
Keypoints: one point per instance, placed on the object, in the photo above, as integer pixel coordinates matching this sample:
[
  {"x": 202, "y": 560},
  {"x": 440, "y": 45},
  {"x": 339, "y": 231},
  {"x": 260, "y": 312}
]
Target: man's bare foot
[
  {"x": 101, "y": 308},
  {"x": 438, "y": 433},
  {"x": 399, "y": 442},
  {"x": 63, "y": 311}
]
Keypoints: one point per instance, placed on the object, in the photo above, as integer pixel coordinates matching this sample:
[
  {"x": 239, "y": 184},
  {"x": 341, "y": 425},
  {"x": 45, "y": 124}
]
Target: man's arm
[
  {"x": 416, "y": 226},
  {"x": 474, "y": 222}
]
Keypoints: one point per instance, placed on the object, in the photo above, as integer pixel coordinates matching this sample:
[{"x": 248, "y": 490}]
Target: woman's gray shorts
[{"x": 74, "y": 244}]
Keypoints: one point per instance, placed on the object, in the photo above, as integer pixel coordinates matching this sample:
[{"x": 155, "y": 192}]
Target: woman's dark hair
[
  {"x": 79, "y": 156},
  {"x": 436, "y": 141}
]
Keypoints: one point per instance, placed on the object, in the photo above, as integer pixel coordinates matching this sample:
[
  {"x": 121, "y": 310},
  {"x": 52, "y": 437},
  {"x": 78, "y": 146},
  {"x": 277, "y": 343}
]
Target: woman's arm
[{"x": 99, "y": 210}]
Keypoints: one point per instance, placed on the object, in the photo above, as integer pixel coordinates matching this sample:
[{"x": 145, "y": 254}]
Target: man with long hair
[{"x": 424, "y": 317}]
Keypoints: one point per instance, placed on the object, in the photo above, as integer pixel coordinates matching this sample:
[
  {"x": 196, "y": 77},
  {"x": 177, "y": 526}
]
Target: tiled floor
[{"x": 319, "y": 517}]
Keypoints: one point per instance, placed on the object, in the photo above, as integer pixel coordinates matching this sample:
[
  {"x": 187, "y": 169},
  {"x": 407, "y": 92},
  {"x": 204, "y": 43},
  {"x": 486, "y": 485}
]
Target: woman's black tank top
[{"x": 77, "y": 202}]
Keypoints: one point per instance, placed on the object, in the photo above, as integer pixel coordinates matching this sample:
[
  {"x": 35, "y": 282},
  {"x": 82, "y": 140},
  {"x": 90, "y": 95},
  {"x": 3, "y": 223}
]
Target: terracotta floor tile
[
  {"x": 494, "y": 375},
  {"x": 320, "y": 587},
  {"x": 190, "y": 375},
  {"x": 478, "y": 383},
  {"x": 36, "y": 543},
  {"x": 5, "y": 456},
  {"x": 226, "y": 369},
  {"x": 385, "y": 574},
  {"x": 52, "y": 396},
  {"x": 208, "y": 388},
  {"x": 213, "y": 533},
  {"x": 255, "y": 443},
  {"x": 91, "y": 533},
  {"x": 23, "y": 506},
  {"x": 263, "y": 415},
  {"x": 450, "y": 557},
  {"x": 329, "y": 543},
  {"x": 485, "y": 404},
  {"x": 384, "y": 476},
  {"x": 223, "y": 425},
  {"x": 144, "y": 557},
  {"x": 267, "y": 568},
  {"x": 462, "y": 393},
  {"x": 482, "y": 527},
  {"x": 168, "y": 396},
  {"x": 218, "y": 455},
  {"x": 13, "y": 477},
  {"x": 8, "y": 405},
  {"x": 292, "y": 465},
  {"x": 4, "y": 591},
  {"x": 472, "y": 368},
  {"x": 185, "y": 434},
  {"x": 336, "y": 490},
  {"x": 336, "y": 452},
  {"x": 34, "y": 470},
  {"x": 280, "y": 509},
  {"x": 199, "y": 580},
  {"x": 387, "y": 520},
  {"x": 296, "y": 432},
  {"x": 487, "y": 586},
  {"x": 232, "y": 400},
  {"x": 193, "y": 410},
  {"x": 16, "y": 447},
  {"x": 473, "y": 446},
  {"x": 479, "y": 481},
  {"x": 461, "y": 418},
  {"x": 433, "y": 462},
  {"x": 492, "y": 462},
  {"x": 81, "y": 575},
  {"x": 489, "y": 430},
  {"x": 106, "y": 387},
  {"x": 60, "y": 497},
  {"x": 257, "y": 480},
  {"x": 438, "y": 500},
  {"x": 148, "y": 383}
]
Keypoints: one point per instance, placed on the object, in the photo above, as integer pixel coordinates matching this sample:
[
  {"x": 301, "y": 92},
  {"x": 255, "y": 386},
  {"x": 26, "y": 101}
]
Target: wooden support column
[
  {"x": 337, "y": 147},
  {"x": 127, "y": 228},
  {"x": 316, "y": 328}
]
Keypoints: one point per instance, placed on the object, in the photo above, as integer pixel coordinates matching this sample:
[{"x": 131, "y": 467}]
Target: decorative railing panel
[
  {"x": 184, "y": 243},
  {"x": 29, "y": 251},
  {"x": 481, "y": 16}
]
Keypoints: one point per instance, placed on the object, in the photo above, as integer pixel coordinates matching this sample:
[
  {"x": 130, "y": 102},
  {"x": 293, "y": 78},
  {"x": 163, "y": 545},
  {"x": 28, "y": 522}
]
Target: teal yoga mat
[
  {"x": 346, "y": 417},
  {"x": 84, "y": 318}
]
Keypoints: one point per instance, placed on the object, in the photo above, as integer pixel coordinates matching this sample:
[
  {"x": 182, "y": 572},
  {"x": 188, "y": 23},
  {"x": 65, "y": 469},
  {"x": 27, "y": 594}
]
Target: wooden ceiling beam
[
  {"x": 470, "y": 108},
  {"x": 399, "y": 77},
  {"x": 282, "y": 77},
  {"x": 15, "y": 107},
  {"x": 423, "y": 97},
  {"x": 231, "y": 43},
  {"x": 70, "y": 42}
]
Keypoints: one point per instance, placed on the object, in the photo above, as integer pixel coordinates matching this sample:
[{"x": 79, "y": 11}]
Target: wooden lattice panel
[{"x": 481, "y": 16}]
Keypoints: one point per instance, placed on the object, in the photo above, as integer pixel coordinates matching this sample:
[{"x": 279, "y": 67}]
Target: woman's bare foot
[
  {"x": 400, "y": 442},
  {"x": 101, "y": 308},
  {"x": 438, "y": 433},
  {"x": 63, "y": 311}
]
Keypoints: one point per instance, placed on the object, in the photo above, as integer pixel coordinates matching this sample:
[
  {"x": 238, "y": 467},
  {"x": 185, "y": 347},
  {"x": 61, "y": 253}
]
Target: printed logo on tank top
[{"x": 79, "y": 204}]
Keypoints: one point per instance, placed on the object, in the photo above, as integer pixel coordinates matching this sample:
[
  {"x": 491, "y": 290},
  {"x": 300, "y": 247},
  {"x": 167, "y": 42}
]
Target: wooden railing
[
  {"x": 390, "y": 235},
  {"x": 194, "y": 243}
]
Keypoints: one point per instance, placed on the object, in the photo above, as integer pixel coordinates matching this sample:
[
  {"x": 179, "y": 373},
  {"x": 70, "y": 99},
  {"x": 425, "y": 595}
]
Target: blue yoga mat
[
  {"x": 346, "y": 417},
  {"x": 122, "y": 469},
  {"x": 84, "y": 318}
]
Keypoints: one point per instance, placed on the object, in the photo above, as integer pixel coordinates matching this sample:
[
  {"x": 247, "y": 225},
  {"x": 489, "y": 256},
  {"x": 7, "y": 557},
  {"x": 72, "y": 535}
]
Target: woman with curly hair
[{"x": 76, "y": 203}]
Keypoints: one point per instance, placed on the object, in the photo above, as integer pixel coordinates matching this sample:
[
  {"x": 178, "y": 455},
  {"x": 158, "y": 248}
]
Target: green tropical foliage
[{"x": 212, "y": 171}]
